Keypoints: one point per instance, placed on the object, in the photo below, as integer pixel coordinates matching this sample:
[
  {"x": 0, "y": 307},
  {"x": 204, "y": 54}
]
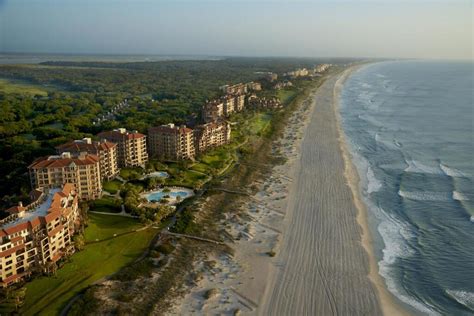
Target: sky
[{"x": 437, "y": 29}]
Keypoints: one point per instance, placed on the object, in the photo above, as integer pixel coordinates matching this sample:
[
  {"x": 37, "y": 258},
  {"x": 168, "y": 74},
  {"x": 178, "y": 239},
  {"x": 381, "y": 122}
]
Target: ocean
[{"x": 409, "y": 126}]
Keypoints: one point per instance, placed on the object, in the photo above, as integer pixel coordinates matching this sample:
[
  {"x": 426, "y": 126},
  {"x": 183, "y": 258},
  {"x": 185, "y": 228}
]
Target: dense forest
[{"x": 79, "y": 92}]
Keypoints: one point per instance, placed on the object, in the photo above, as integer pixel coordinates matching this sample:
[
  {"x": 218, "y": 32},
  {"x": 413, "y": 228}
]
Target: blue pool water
[{"x": 158, "y": 195}]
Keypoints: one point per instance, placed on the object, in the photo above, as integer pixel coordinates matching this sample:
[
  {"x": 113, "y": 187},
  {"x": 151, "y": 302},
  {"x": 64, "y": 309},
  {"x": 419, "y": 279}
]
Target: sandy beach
[{"x": 301, "y": 244}]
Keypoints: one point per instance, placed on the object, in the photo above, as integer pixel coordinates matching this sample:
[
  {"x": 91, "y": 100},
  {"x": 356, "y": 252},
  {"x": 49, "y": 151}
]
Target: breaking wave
[
  {"x": 417, "y": 167},
  {"x": 458, "y": 196},
  {"x": 395, "y": 235},
  {"x": 426, "y": 195},
  {"x": 463, "y": 297},
  {"x": 451, "y": 172}
]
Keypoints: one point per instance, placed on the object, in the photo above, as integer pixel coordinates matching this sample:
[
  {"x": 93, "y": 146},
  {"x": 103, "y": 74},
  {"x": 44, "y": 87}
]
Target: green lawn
[
  {"x": 259, "y": 123},
  {"x": 286, "y": 96},
  {"x": 200, "y": 167},
  {"x": 48, "y": 295},
  {"x": 105, "y": 204},
  {"x": 216, "y": 158},
  {"x": 187, "y": 178},
  {"x": 112, "y": 186},
  {"x": 105, "y": 226},
  {"x": 9, "y": 87}
]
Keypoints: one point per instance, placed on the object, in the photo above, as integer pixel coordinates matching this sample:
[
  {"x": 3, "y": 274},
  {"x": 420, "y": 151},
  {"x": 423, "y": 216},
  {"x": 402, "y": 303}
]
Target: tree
[{"x": 79, "y": 242}]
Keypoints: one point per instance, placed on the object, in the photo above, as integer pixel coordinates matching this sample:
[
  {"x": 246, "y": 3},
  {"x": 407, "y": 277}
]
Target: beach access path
[{"x": 322, "y": 265}]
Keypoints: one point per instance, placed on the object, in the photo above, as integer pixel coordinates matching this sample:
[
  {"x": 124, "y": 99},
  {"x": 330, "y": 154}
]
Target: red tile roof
[
  {"x": 35, "y": 194},
  {"x": 165, "y": 129},
  {"x": 81, "y": 146},
  {"x": 17, "y": 228},
  {"x": 16, "y": 209},
  {"x": 58, "y": 162},
  {"x": 116, "y": 135},
  {"x": 52, "y": 216}
]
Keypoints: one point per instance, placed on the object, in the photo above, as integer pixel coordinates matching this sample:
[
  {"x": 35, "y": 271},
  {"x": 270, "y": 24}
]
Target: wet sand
[
  {"x": 310, "y": 215},
  {"x": 323, "y": 266}
]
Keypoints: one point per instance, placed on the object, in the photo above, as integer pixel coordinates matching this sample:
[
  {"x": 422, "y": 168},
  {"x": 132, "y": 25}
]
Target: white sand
[{"x": 305, "y": 213}]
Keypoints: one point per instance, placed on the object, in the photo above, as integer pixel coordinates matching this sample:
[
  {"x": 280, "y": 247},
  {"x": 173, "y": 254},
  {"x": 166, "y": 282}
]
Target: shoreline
[
  {"x": 387, "y": 302},
  {"x": 261, "y": 275}
]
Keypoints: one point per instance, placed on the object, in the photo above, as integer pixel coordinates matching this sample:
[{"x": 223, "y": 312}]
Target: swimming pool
[{"x": 173, "y": 194}]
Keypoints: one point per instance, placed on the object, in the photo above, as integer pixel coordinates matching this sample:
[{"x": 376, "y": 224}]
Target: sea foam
[
  {"x": 373, "y": 184},
  {"x": 418, "y": 167},
  {"x": 463, "y": 297},
  {"x": 458, "y": 196},
  {"x": 451, "y": 172},
  {"x": 426, "y": 195},
  {"x": 396, "y": 234}
]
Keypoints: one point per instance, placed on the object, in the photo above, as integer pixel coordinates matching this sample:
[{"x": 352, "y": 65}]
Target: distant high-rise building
[{"x": 240, "y": 88}]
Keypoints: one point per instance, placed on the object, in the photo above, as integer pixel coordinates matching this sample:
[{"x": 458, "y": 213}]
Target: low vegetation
[{"x": 103, "y": 255}]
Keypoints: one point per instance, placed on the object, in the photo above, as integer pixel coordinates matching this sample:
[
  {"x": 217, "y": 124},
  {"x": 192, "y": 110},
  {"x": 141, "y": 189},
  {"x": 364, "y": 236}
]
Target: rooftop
[{"x": 39, "y": 211}]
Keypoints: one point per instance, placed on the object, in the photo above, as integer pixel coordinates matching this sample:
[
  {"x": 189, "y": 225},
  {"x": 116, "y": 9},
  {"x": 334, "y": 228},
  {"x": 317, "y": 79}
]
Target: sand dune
[
  {"x": 323, "y": 268},
  {"x": 309, "y": 213}
]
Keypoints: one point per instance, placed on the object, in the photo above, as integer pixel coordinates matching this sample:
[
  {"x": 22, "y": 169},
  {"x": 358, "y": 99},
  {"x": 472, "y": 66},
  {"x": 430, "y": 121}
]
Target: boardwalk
[{"x": 193, "y": 237}]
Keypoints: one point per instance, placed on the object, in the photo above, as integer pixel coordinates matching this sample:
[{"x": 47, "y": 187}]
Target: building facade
[
  {"x": 240, "y": 88},
  {"x": 254, "y": 86},
  {"x": 211, "y": 135},
  {"x": 131, "y": 147},
  {"x": 105, "y": 150},
  {"x": 82, "y": 171},
  {"x": 36, "y": 236},
  {"x": 213, "y": 110},
  {"x": 171, "y": 142},
  {"x": 230, "y": 104}
]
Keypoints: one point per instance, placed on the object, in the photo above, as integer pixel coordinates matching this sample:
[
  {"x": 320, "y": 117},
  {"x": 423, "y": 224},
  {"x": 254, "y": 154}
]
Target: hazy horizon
[{"x": 271, "y": 28}]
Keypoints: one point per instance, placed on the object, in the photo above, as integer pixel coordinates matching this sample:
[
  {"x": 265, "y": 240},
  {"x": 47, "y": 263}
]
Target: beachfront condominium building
[
  {"x": 213, "y": 110},
  {"x": 131, "y": 147},
  {"x": 211, "y": 135},
  {"x": 271, "y": 77},
  {"x": 230, "y": 104},
  {"x": 171, "y": 142},
  {"x": 301, "y": 72},
  {"x": 239, "y": 102},
  {"x": 105, "y": 150},
  {"x": 254, "y": 86},
  {"x": 83, "y": 171},
  {"x": 34, "y": 237},
  {"x": 240, "y": 88}
]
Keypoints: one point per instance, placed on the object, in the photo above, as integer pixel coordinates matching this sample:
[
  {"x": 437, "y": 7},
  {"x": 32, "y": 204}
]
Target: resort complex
[
  {"x": 82, "y": 170},
  {"x": 36, "y": 236}
]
